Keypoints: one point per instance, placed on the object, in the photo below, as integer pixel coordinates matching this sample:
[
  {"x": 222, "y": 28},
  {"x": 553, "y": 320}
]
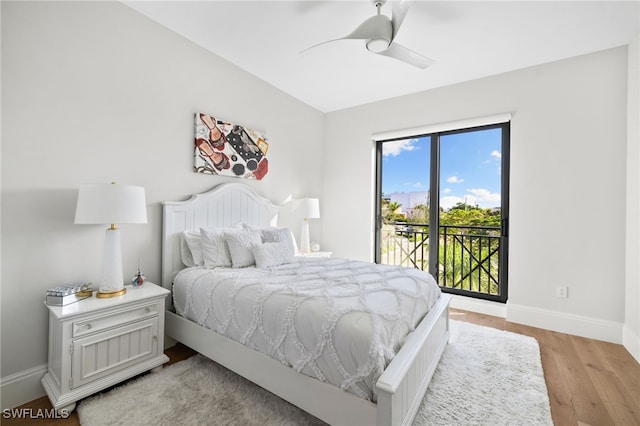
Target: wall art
[{"x": 229, "y": 149}]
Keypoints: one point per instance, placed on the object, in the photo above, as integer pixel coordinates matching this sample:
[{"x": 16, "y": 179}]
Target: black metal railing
[
  {"x": 405, "y": 245},
  {"x": 468, "y": 256}
]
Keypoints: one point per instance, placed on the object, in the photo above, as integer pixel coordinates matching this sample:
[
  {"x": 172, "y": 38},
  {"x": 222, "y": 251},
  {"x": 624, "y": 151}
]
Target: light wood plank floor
[{"x": 590, "y": 382}]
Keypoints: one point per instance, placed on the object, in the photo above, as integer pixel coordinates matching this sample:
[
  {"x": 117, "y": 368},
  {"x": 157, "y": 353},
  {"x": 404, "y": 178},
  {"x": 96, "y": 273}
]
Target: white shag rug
[{"x": 486, "y": 377}]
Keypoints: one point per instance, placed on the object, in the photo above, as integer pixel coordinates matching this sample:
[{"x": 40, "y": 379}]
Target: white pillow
[
  {"x": 191, "y": 249},
  {"x": 272, "y": 234},
  {"x": 215, "y": 252},
  {"x": 273, "y": 254},
  {"x": 239, "y": 243}
]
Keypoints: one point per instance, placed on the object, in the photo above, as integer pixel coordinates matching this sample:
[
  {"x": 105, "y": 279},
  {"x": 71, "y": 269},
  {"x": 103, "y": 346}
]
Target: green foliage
[
  {"x": 464, "y": 214},
  {"x": 420, "y": 214},
  {"x": 389, "y": 211}
]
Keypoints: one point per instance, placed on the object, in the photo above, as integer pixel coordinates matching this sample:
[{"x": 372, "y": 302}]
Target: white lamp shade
[
  {"x": 309, "y": 208},
  {"x": 104, "y": 203}
]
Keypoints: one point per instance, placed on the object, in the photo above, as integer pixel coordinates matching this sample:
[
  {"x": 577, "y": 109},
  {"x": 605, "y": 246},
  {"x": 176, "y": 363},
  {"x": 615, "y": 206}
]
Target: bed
[{"x": 398, "y": 390}]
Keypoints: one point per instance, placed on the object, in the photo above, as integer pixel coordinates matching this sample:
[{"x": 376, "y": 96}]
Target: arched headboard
[{"x": 224, "y": 206}]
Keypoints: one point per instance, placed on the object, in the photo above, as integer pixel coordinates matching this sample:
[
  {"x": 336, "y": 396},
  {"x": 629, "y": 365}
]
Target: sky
[{"x": 469, "y": 167}]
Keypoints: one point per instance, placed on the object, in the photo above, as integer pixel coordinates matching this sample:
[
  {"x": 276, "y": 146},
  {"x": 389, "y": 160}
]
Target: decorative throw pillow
[
  {"x": 272, "y": 235},
  {"x": 239, "y": 243},
  {"x": 214, "y": 249},
  {"x": 191, "y": 249},
  {"x": 273, "y": 254}
]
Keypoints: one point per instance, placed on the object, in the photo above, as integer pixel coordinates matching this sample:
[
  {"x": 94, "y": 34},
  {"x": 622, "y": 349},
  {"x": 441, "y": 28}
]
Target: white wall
[
  {"x": 567, "y": 200},
  {"x": 631, "y": 332},
  {"x": 95, "y": 92}
]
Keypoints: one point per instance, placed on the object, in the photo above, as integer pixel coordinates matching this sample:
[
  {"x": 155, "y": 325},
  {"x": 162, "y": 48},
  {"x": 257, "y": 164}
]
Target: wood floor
[{"x": 590, "y": 382}]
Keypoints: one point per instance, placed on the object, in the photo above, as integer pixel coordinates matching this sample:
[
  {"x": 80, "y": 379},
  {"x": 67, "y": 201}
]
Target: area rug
[{"x": 486, "y": 377}]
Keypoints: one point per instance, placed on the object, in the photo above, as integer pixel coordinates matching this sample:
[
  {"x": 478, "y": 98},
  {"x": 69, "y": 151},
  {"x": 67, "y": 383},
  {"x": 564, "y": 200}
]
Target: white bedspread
[{"x": 338, "y": 320}]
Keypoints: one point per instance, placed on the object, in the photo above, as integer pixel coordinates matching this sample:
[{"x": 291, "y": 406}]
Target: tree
[
  {"x": 390, "y": 211},
  {"x": 467, "y": 215},
  {"x": 420, "y": 214}
]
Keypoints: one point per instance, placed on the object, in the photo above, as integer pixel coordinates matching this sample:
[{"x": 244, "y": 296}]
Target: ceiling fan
[{"x": 379, "y": 33}]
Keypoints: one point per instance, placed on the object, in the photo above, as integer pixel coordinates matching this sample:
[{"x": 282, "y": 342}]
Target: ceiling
[{"x": 467, "y": 39}]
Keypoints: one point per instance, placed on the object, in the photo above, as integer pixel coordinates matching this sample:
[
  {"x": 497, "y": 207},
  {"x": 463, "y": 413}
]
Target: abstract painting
[{"x": 229, "y": 149}]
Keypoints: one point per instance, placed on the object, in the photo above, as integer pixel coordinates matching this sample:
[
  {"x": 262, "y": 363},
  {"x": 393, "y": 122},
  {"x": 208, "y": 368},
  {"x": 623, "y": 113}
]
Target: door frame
[{"x": 434, "y": 200}]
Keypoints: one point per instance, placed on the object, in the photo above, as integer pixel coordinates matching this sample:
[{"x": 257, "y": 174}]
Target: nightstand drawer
[
  {"x": 103, "y": 354},
  {"x": 93, "y": 325}
]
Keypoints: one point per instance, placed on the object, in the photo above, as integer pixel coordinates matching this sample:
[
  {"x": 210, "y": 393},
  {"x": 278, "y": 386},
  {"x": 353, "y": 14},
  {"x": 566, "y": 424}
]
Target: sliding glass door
[{"x": 442, "y": 206}]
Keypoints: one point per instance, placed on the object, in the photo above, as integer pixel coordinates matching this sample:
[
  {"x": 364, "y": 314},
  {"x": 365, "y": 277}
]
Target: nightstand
[
  {"x": 316, "y": 254},
  {"x": 96, "y": 343}
]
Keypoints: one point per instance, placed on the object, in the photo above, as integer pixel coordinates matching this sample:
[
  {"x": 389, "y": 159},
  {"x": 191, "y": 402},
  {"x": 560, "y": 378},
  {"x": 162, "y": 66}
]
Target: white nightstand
[
  {"x": 316, "y": 254},
  {"x": 96, "y": 343}
]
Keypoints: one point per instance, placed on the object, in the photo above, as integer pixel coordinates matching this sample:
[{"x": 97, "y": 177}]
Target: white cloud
[
  {"x": 497, "y": 155},
  {"x": 450, "y": 201},
  {"x": 483, "y": 198},
  {"x": 454, "y": 179},
  {"x": 396, "y": 147},
  {"x": 484, "y": 194},
  {"x": 480, "y": 197}
]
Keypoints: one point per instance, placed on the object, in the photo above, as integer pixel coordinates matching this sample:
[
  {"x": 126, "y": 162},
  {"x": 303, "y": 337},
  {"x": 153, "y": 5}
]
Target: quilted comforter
[{"x": 337, "y": 320}]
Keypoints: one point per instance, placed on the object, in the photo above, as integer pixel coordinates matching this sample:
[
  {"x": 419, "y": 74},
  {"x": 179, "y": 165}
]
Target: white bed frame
[{"x": 400, "y": 388}]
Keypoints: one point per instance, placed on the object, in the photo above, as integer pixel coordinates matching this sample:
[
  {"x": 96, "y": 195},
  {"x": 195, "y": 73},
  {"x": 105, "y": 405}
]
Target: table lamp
[
  {"x": 113, "y": 203},
  {"x": 308, "y": 208}
]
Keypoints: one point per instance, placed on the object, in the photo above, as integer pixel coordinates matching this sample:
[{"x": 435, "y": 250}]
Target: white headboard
[{"x": 225, "y": 205}]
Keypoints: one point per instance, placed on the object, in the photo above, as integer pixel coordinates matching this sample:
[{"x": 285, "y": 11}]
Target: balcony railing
[{"x": 468, "y": 256}]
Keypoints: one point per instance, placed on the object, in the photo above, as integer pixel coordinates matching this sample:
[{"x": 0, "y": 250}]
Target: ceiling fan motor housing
[
  {"x": 378, "y": 33},
  {"x": 377, "y": 45},
  {"x": 383, "y": 34}
]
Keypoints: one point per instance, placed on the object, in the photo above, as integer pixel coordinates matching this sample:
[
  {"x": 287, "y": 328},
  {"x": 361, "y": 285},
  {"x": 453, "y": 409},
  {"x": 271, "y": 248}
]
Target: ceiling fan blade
[
  {"x": 398, "y": 12},
  {"x": 403, "y": 54},
  {"x": 375, "y": 27},
  {"x": 320, "y": 44}
]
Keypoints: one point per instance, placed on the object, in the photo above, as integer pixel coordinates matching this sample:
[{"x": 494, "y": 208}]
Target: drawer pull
[
  {"x": 147, "y": 309},
  {"x": 89, "y": 326}
]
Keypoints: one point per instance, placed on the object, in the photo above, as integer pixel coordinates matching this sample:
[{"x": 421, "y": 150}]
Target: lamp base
[
  {"x": 111, "y": 283},
  {"x": 111, "y": 294},
  {"x": 304, "y": 238}
]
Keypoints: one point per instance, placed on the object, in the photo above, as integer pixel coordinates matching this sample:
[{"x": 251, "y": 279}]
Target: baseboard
[
  {"x": 562, "y": 322},
  {"x": 478, "y": 305},
  {"x": 576, "y": 325},
  {"x": 631, "y": 342},
  {"x": 22, "y": 387}
]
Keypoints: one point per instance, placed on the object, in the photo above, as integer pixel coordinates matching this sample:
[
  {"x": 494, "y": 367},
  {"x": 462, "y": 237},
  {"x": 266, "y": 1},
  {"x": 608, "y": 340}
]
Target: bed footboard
[
  {"x": 323, "y": 400},
  {"x": 404, "y": 382}
]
